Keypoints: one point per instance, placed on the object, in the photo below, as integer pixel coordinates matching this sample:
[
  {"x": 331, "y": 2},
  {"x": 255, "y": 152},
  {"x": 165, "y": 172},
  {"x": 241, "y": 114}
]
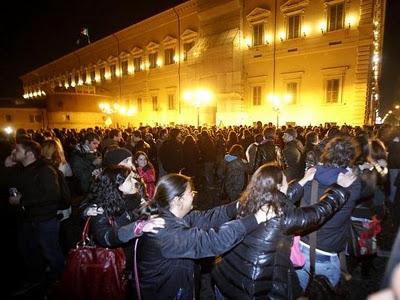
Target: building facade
[{"x": 224, "y": 62}]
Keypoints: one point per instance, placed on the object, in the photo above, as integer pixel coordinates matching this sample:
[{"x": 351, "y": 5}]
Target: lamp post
[
  {"x": 277, "y": 102},
  {"x": 198, "y": 98}
]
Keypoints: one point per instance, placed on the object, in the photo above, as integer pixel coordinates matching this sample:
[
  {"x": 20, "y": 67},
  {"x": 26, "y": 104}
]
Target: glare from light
[
  {"x": 351, "y": 20},
  {"x": 288, "y": 98},
  {"x": 306, "y": 30},
  {"x": 397, "y": 107},
  {"x": 8, "y": 130}
]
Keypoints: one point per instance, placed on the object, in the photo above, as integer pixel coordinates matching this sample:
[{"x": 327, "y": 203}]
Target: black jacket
[
  {"x": 38, "y": 185},
  {"x": 260, "y": 267},
  {"x": 333, "y": 236},
  {"x": 166, "y": 259},
  {"x": 266, "y": 152},
  {"x": 171, "y": 153}
]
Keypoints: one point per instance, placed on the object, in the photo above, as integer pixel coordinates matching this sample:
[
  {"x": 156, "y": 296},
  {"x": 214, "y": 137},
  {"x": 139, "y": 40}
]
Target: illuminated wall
[{"x": 220, "y": 46}]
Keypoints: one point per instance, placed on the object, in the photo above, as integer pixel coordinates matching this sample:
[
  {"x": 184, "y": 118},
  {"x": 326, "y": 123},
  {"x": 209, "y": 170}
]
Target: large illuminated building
[{"x": 224, "y": 62}]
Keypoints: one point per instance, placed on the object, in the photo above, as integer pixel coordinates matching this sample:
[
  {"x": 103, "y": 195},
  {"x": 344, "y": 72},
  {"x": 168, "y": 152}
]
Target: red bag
[{"x": 92, "y": 272}]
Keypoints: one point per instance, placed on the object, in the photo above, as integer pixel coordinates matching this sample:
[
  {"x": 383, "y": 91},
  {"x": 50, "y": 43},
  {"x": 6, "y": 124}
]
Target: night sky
[{"x": 34, "y": 33}]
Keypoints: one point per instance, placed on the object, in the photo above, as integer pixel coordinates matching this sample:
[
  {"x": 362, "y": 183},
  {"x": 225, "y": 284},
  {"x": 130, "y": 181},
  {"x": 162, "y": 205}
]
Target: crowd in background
[{"x": 96, "y": 164}]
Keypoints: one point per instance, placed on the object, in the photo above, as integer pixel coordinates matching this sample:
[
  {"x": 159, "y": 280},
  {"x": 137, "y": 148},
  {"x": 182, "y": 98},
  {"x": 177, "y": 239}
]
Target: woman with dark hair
[
  {"x": 114, "y": 223},
  {"x": 191, "y": 155},
  {"x": 146, "y": 171},
  {"x": 232, "y": 139},
  {"x": 338, "y": 157},
  {"x": 260, "y": 267},
  {"x": 233, "y": 173},
  {"x": 166, "y": 259}
]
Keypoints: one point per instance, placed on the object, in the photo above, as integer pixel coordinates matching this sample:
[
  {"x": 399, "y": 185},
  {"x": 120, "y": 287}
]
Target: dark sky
[{"x": 34, "y": 33}]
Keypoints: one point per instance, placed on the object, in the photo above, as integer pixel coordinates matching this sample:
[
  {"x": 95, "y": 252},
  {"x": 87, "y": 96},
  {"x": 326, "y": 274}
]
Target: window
[
  {"x": 93, "y": 75},
  {"x": 31, "y": 119},
  {"x": 291, "y": 89},
  {"x": 258, "y": 34},
  {"x": 69, "y": 80},
  {"x": 152, "y": 60},
  {"x": 154, "y": 99},
  {"x": 124, "y": 67},
  {"x": 103, "y": 73},
  {"x": 84, "y": 76},
  {"x": 137, "y": 62},
  {"x": 186, "y": 49},
  {"x": 139, "y": 104},
  {"x": 113, "y": 71},
  {"x": 256, "y": 95},
  {"x": 76, "y": 78},
  {"x": 169, "y": 56},
  {"x": 293, "y": 27},
  {"x": 8, "y": 118},
  {"x": 171, "y": 102},
  {"x": 332, "y": 90},
  {"x": 335, "y": 16}
]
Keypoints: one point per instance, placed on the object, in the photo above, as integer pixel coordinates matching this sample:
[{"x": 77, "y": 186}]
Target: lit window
[
  {"x": 154, "y": 99},
  {"x": 256, "y": 95},
  {"x": 139, "y": 104},
  {"x": 8, "y": 118},
  {"x": 103, "y": 73},
  {"x": 137, "y": 62},
  {"x": 186, "y": 49},
  {"x": 76, "y": 78},
  {"x": 171, "y": 102},
  {"x": 113, "y": 70},
  {"x": 332, "y": 90},
  {"x": 293, "y": 27},
  {"x": 84, "y": 76},
  {"x": 335, "y": 16},
  {"x": 152, "y": 60},
  {"x": 291, "y": 89},
  {"x": 124, "y": 67},
  {"x": 169, "y": 56},
  {"x": 258, "y": 34}
]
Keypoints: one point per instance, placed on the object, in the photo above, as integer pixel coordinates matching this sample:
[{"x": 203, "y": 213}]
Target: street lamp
[
  {"x": 198, "y": 98},
  {"x": 277, "y": 102}
]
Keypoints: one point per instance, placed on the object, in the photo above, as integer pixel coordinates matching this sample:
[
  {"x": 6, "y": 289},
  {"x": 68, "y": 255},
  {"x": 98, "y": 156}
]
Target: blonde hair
[{"x": 53, "y": 151}]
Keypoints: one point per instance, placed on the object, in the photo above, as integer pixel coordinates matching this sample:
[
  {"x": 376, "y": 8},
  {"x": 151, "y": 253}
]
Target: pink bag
[{"x": 297, "y": 258}]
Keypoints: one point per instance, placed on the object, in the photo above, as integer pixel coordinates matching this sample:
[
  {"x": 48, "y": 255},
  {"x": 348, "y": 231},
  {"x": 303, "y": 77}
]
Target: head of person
[
  {"x": 92, "y": 141},
  {"x": 175, "y": 134},
  {"x": 140, "y": 159},
  {"x": 136, "y": 136},
  {"x": 269, "y": 133},
  {"x": 237, "y": 150},
  {"x": 116, "y": 135},
  {"x": 52, "y": 150},
  {"x": 312, "y": 138},
  {"x": 118, "y": 156},
  {"x": 26, "y": 152},
  {"x": 114, "y": 186},
  {"x": 340, "y": 151},
  {"x": 175, "y": 193},
  {"x": 289, "y": 135},
  {"x": 263, "y": 188}
]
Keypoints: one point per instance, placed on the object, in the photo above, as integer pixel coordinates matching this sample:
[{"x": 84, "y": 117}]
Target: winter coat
[
  {"x": 294, "y": 159},
  {"x": 149, "y": 177},
  {"x": 82, "y": 167},
  {"x": 166, "y": 259},
  {"x": 233, "y": 174},
  {"x": 266, "y": 152},
  {"x": 171, "y": 156},
  {"x": 260, "y": 267}
]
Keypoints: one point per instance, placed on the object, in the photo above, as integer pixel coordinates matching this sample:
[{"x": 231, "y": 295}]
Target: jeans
[
  {"x": 324, "y": 265},
  {"x": 40, "y": 240},
  {"x": 218, "y": 294}
]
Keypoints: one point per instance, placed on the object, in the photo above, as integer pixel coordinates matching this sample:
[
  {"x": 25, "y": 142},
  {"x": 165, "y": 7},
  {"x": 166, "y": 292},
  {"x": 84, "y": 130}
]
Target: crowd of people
[{"x": 253, "y": 184}]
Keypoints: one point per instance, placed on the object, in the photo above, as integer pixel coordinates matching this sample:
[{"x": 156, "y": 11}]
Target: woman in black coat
[
  {"x": 166, "y": 259},
  {"x": 260, "y": 267}
]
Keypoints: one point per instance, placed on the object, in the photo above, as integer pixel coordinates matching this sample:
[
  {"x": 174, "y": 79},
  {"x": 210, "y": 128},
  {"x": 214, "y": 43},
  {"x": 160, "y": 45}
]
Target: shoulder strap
[
  {"x": 135, "y": 269},
  {"x": 313, "y": 235}
]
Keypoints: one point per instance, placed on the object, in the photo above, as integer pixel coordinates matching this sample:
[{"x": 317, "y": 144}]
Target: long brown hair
[{"x": 262, "y": 189}]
